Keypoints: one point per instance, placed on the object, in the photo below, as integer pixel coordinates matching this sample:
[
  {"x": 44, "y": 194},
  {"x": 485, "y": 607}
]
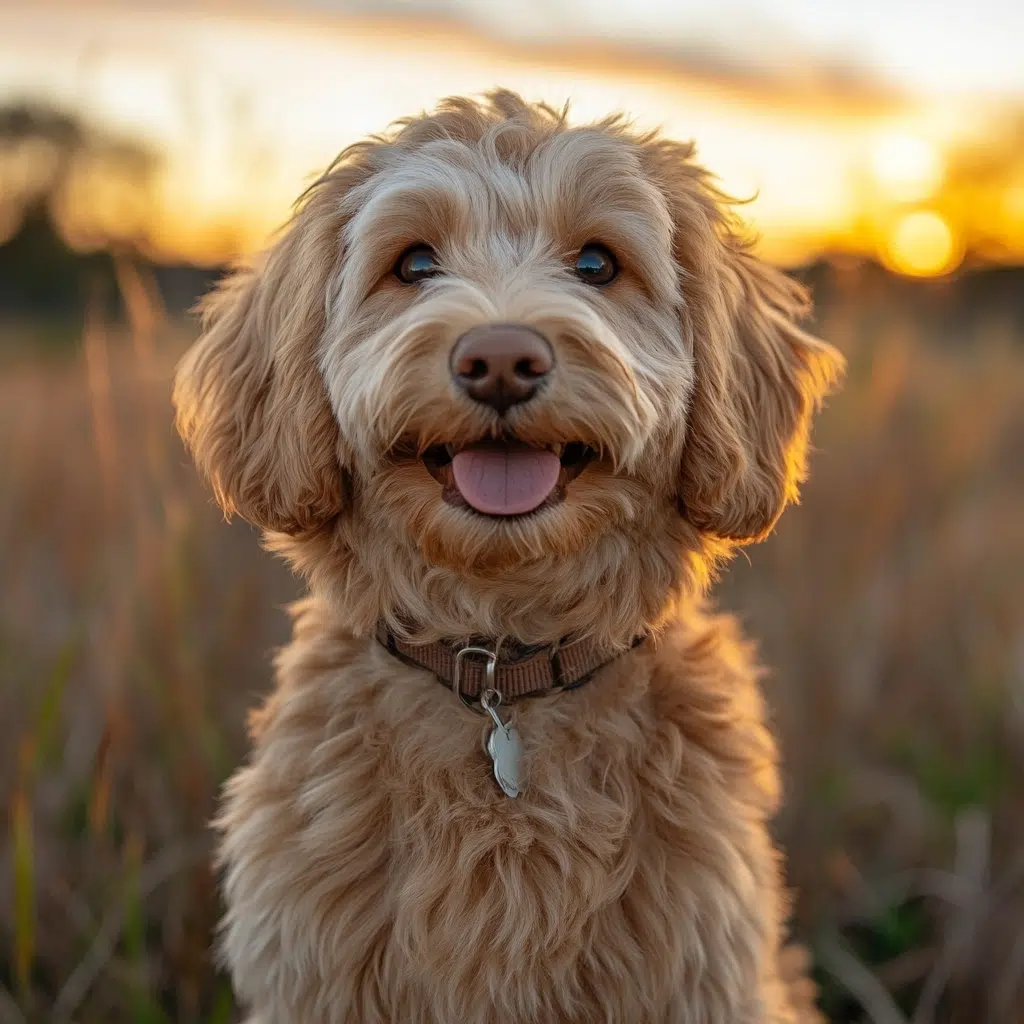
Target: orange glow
[
  {"x": 1013, "y": 203},
  {"x": 923, "y": 244},
  {"x": 247, "y": 109}
]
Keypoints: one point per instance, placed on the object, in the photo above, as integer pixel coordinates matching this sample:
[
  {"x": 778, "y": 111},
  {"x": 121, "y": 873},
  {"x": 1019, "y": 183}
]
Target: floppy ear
[
  {"x": 758, "y": 379},
  {"x": 250, "y": 400},
  {"x": 757, "y": 376}
]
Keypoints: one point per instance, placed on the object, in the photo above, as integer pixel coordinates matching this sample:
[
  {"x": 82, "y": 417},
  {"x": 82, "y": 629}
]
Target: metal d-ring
[{"x": 492, "y": 661}]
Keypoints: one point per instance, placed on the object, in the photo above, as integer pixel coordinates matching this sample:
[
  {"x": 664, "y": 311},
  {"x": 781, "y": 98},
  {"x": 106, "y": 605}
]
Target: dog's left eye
[
  {"x": 595, "y": 264},
  {"x": 416, "y": 263}
]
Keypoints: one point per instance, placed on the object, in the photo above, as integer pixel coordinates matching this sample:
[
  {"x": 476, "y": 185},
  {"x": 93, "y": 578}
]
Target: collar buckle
[{"x": 490, "y": 670}]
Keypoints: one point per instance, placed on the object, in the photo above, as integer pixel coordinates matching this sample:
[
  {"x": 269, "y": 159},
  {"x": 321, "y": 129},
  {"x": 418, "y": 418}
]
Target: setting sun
[{"x": 923, "y": 244}]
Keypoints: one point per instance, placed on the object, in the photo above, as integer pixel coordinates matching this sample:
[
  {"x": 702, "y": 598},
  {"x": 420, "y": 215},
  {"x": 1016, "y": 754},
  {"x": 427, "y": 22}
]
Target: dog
[{"x": 504, "y": 392}]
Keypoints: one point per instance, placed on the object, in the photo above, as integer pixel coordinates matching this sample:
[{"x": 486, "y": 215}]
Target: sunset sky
[{"x": 842, "y": 119}]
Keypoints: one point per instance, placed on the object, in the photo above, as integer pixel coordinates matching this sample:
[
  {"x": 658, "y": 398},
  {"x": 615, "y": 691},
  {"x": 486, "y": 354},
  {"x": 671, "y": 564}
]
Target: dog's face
[
  {"x": 504, "y": 376},
  {"x": 505, "y": 354}
]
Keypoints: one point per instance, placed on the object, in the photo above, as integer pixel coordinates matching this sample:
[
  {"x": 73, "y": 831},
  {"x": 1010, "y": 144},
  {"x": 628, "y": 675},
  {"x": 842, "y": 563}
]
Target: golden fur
[{"x": 374, "y": 872}]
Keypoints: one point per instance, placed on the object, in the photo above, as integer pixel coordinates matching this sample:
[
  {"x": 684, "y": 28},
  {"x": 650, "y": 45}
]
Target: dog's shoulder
[{"x": 706, "y": 683}]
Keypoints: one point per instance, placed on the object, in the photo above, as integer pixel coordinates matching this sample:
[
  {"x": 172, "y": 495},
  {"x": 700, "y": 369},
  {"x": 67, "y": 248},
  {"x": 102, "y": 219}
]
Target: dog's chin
[{"x": 506, "y": 480}]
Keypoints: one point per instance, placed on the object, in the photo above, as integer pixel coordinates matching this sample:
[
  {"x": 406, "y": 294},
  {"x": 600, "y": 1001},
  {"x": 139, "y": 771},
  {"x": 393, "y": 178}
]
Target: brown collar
[{"x": 517, "y": 671}]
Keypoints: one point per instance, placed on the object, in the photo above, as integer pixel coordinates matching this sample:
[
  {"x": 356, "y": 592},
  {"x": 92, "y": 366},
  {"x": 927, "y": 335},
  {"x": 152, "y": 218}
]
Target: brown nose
[{"x": 501, "y": 364}]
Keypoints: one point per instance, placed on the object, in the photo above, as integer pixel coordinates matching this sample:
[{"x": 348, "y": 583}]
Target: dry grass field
[{"x": 136, "y": 628}]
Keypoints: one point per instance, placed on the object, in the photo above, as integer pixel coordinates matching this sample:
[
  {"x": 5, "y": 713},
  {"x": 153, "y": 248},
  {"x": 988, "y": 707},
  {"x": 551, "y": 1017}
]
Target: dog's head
[{"x": 505, "y": 376}]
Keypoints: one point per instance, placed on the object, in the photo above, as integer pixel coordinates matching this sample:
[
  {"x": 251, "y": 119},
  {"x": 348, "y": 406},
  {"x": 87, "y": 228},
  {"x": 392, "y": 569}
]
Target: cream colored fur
[{"x": 373, "y": 870}]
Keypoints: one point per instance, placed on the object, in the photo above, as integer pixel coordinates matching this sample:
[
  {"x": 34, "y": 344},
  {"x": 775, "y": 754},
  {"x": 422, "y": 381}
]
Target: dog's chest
[{"x": 388, "y": 871}]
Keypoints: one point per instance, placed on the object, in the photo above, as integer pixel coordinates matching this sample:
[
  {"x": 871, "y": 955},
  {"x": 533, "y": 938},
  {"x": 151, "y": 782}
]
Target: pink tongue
[{"x": 505, "y": 483}]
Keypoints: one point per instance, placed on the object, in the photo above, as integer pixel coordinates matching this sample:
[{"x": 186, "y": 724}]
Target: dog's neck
[{"x": 512, "y": 669}]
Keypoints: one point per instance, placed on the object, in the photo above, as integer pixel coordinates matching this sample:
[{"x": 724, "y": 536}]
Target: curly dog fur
[{"x": 373, "y": 870}]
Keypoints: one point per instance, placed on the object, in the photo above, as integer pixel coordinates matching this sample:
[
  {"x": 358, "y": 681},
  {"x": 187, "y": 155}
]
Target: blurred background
[{"x": 144, "y": 145}]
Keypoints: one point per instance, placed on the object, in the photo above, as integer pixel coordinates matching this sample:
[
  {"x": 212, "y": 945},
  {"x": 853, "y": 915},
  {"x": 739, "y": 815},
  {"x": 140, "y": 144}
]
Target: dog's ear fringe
[
  {"x": 759, "y": 379},
  {"x": 758, "y": 375},
  {"x": 250, "y": 403}
]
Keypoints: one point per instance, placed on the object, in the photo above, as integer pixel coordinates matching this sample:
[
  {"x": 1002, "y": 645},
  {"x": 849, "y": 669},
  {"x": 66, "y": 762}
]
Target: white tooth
[
  {"x": 450, "y": 449},
  {"x": 558, "y": 449}
]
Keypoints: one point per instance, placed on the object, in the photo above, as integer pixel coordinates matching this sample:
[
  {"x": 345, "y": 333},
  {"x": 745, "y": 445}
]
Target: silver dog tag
[{"x": 504, "y": 747}]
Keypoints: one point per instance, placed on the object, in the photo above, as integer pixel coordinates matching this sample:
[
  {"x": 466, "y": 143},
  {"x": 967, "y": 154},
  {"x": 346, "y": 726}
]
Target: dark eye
[
  {"x": 416, "y": 263},
  {"x": 595, "y": 264}
]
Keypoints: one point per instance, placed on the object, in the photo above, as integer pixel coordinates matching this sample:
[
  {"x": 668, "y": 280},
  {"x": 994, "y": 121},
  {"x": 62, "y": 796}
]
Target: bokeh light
[{"x": 923, "y": 244}]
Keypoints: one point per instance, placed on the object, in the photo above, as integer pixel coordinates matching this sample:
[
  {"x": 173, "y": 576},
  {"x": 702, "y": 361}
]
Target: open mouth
[{"x": 506, "y": 478}]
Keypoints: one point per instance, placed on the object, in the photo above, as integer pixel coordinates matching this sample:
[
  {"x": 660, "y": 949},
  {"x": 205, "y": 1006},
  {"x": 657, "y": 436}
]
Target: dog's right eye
[{"x": 415, "y": 264}]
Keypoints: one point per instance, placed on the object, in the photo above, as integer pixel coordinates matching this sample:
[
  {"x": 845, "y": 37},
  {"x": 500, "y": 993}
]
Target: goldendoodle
[{"x": 504, "y": 392}]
